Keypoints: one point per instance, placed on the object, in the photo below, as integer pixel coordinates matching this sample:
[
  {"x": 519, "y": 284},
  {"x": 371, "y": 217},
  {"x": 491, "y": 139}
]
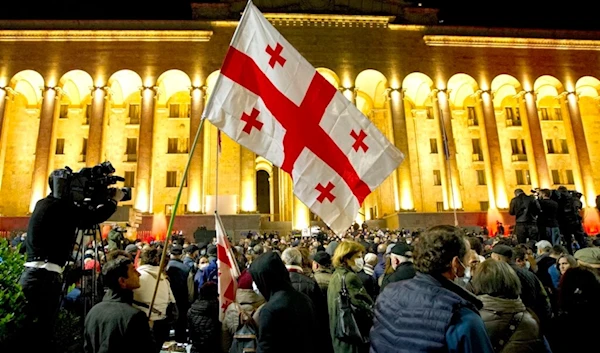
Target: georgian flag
[
  {"x": 269, "y": 99},
  {"x": 228, "y": 269}
]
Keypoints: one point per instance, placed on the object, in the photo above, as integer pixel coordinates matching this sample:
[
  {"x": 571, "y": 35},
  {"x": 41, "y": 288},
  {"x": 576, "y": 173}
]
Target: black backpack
[{"x": 244, "y": 338}]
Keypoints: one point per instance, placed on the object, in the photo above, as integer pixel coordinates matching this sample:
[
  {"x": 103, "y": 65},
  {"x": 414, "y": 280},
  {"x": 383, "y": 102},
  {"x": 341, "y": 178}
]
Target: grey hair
[
  {"x": 497, "y": 279},
  {"x": 292, "y": 256}
]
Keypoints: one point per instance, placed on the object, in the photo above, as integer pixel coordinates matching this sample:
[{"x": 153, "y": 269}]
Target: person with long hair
[{"x": 347, "y": 261}]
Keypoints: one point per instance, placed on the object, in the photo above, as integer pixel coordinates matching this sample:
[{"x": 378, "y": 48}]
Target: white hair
[
  {"x": 291, "y": 256},
  {"x": 371, "y": 259}
]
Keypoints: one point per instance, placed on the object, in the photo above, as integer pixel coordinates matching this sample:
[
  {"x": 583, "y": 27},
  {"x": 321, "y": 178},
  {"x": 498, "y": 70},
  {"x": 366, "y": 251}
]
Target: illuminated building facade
[{"x": 478, "y": 112}]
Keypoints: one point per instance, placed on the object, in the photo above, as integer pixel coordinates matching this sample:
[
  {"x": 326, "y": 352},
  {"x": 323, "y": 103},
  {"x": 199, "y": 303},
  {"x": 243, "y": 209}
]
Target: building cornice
[
  {"x": 75, "y": 35},
  {"x": 318, "y": 20},
  {"x": 510, "y": 42}
]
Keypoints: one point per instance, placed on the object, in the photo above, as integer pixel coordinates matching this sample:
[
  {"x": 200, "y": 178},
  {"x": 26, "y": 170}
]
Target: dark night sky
[{"x": 509, "y": 13}]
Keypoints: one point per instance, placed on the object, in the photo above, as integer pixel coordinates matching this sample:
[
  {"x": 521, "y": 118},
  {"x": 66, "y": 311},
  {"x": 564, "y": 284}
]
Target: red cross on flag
[
  {"x": 271, "y": 100},
  {"x": 228, "y": 269}
]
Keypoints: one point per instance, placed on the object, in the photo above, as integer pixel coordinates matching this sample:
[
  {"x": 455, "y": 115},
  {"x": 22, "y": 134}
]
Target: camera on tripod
[{"x": 89, "y": 186}]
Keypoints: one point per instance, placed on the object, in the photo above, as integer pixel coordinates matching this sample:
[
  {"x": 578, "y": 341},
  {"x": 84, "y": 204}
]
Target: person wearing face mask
[
  {"x": 401, "y": 260},
  {"x": 441, "y": 315},
  {"x": 347, "y": 261}
]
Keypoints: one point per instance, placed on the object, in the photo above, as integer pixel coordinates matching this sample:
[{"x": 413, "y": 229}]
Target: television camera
[{"x": 89, "y": 187}]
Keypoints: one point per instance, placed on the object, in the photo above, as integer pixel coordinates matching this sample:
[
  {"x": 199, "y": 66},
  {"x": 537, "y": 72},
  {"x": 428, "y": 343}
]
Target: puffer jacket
[
  {"x": 204, "y": 326},
  {"x": 249, "y": 301},
  {"x": 497, "y": 314}
]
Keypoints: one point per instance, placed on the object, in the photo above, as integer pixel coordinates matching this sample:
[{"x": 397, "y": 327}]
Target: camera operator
[
  {"x": 50, "y": 238},
  {"x": 525, "y": 208},
  {"x": 569, "y": 219}
]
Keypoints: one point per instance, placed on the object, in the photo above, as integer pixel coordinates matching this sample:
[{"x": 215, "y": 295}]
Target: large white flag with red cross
[{"x": 272, "y": 101}]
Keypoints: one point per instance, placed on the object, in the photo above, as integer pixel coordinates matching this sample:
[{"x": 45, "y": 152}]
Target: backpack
[
  {"x": 191, "y": 285},
  {"x": 244, "y": 338}
]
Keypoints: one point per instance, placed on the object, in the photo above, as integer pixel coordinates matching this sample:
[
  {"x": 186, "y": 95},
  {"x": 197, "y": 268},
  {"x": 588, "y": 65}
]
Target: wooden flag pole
[{"x": 173, "y": 214}]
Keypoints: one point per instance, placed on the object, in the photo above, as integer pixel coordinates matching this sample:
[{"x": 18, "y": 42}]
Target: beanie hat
[{"x": 245, "y": 280}]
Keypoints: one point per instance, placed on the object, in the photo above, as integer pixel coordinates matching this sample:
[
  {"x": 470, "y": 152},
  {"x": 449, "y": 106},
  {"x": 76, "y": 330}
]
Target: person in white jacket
[{"x": 160, "y": 319}]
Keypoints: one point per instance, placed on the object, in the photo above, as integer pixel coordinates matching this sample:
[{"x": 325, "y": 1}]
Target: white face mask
[
  {"x": 527, "y": 265},
  {"x": 255, "y": 288},
  {"x": 203, "y": 266},
  {"x": 358, "y": 264}
]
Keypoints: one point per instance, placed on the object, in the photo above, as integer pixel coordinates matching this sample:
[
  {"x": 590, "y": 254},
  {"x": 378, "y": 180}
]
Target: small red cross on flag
[{"x": 269, "y": 99}]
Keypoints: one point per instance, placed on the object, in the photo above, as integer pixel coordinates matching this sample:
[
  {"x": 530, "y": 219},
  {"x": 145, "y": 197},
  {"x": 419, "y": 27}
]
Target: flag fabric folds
[
  {"x": 269, "y": 99},
  {"x": 228, "y": 269}
]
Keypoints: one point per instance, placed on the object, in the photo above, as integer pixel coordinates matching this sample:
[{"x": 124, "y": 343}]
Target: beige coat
[
  {"x": 249, "y": 301},
  {"x": 148, "y": 276},
  {"x": 497, "y": 314}
]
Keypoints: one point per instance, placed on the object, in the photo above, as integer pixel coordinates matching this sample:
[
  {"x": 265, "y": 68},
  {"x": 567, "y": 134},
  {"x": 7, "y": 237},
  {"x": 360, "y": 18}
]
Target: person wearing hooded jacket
[{"x": 285, "y": 309}]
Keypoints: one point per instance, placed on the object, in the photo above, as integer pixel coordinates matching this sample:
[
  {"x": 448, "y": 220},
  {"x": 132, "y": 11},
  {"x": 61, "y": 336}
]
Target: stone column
[
  {"x": 575, "y": 128},
  {"x": 443, "y": 161},
  {"x": 144, "y": 163},
  {"x": 95, "y": 143},
  {"x": 274, "y": 181},
  {"x": 446, "y": 125},
  {"x": 403, "y": 175},
  {"x": 537, "y": 143},
  {"x": 491, "y": 146},
  {"x": 41, "y": 166},
  {"x": 350, "y": 94},
  {"x": 195, "y": 191},
  {"x": 300, "y": 215},
  {"x": 3, "y": 130},
  {"x": 247, "y": 180},
  {"x": 533, "y": 174}
]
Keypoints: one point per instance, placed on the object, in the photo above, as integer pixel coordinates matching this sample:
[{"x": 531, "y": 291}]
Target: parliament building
[{"x": 477, "y": 112}]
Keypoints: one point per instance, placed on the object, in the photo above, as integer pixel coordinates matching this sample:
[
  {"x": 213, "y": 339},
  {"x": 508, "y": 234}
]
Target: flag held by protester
[
  {"x": 228, "y": 269},
  {"x": 272, "y": 101}
]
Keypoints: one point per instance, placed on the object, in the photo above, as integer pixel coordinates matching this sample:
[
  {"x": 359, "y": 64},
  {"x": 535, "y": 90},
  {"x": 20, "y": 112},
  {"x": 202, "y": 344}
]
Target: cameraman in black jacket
[{"x": 50, "y": 238}]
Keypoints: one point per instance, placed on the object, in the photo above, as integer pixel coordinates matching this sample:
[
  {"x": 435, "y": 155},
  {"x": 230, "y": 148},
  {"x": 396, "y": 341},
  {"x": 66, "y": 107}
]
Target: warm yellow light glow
[
  {"x": 104, "y": 35},
  {"x": 3, "y": 81},
  {"x": 148, "y": 82},
  {"x": 193, "y": 204},
  {"x": 510, "y": 42},
  {"x": 412, "y": 28},
  {"x": 301, "y": 216},
  {"x": 141, "y": 197},
  {"x": 349, "y": 94},
  {"x": 248, "y": 199},
  {"x": 406, "y": 198}
]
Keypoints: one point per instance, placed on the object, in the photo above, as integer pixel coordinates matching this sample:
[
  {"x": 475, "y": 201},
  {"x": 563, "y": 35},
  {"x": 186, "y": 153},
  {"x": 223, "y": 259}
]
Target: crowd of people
[{"x": 443, "y": 289}]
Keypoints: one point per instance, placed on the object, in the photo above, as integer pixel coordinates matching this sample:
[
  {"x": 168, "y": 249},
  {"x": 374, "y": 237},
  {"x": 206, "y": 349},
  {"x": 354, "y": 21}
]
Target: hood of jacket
[
  {"x": 269, "y": 274},
  {"x": 249, "y": 297},
  {"x": 501, "y": 305},
  {"x": 151, "y": 270}
]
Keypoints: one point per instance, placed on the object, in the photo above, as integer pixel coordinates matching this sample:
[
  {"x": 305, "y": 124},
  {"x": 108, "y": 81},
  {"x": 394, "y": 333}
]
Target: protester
[
  {"x": 114, "y": 325},
  {"x": 441, "y": 315}
]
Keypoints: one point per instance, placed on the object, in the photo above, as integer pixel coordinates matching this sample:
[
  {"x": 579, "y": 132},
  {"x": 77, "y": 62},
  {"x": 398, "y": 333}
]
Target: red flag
[
  {"x": 272, "y": 101},
  {"x": 228, "y": 269}
]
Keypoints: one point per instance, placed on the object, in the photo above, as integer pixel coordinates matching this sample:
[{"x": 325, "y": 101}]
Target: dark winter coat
[
  {"x": 204, "y": 326},
  {"x": 405, "y": 270},
  {"x": 285, "y": 311},
  {"x": 114, "y": 326}
]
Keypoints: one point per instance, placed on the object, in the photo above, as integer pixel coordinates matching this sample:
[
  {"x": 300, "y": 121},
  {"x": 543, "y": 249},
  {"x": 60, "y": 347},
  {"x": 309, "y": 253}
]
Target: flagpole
[
  {"x": 217, "y": 172},
  {"x": 173, "y": 213},
  {"x": 449, "y": 171}
]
